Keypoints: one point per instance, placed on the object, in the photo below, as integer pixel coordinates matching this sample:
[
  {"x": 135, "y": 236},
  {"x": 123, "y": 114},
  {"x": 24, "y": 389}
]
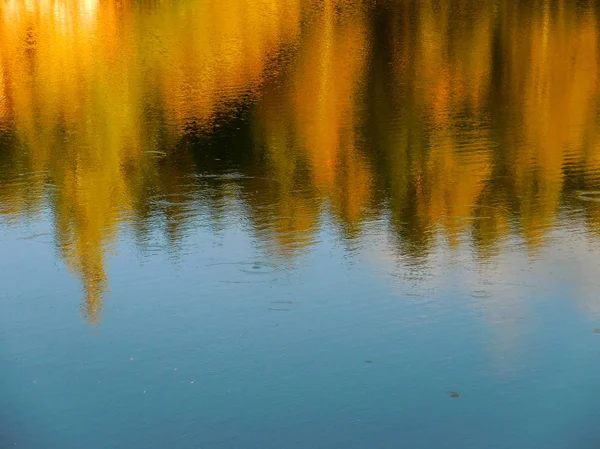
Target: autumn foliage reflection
[
  {"x": 454, "y": 119},
  {"x": 95, "y": 95}
]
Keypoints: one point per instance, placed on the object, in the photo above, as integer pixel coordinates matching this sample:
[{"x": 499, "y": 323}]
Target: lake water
[{"x": 266, "y": 224}]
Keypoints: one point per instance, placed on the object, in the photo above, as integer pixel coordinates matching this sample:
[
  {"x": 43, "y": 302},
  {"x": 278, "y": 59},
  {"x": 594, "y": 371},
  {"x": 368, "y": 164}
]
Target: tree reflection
[{"x": 462, "y": 119}]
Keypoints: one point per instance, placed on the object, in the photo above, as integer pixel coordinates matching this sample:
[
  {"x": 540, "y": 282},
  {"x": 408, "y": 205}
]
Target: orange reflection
[
  {"x": 309, "y": 123},
  {"x": 94, "y": 91},
  {"x": 461, "y": 120}
]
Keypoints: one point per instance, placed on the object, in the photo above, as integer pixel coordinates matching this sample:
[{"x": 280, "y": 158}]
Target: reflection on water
[
  {"x": 93, "y": 108},
  {"x": 325, "y": 223},
  {"x": 444, "y": 119}
]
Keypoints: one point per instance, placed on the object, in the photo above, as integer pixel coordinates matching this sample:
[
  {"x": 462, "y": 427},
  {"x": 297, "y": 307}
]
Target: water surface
[{"x": 299, "y": 224}]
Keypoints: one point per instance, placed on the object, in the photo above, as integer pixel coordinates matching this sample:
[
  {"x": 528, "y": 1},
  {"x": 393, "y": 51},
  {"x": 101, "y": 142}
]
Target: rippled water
[{"x": 299, "y": 224}]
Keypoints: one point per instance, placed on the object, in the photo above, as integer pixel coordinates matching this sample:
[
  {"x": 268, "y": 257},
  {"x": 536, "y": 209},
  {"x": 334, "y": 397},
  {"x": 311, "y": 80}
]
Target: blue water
[{"x": 183, "y": 358}]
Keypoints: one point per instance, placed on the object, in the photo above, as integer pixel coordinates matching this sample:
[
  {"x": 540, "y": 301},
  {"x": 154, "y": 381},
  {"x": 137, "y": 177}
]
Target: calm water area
[{"x": 299, "y": 224}]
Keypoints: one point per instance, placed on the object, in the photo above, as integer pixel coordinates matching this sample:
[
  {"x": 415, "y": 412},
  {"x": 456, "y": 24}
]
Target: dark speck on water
[
  {"x": 597, "y": 330},
  {"x": 368, "y": 361},
  {"x": 454, "y": 394}
]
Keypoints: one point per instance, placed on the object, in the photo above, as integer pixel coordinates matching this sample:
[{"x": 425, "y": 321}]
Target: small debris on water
[
  {"x": 480, "y": 294},
  {"x": 368, "y": 361},
  {"x": 256, "y": 266},
  {"x": 597, "y": 330},
  {"x": 130, "y": 358},
  {"x": 192, "y": 382},
  {"x": 454, "y": 394}
]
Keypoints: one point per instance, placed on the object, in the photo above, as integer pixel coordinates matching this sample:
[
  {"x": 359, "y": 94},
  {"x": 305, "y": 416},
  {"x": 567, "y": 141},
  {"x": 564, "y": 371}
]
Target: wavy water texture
[{"x": 445, "y": 120}]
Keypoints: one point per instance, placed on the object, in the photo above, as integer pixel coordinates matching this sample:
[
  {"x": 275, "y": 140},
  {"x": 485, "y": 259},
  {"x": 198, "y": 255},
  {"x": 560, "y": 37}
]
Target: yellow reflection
[
  {"x": 93, "y": 90},
  {"x": 552, "y": 83},
  {"x": 454, "y": 119},
  {"x": 467, "y": 68},
  {"x": 309, "y": 123}
]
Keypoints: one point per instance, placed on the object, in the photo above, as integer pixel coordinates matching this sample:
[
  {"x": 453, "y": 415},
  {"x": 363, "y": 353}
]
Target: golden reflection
[
  {"x": 95, "y": 92},
  {"x": 455, "y": 119},
  {"x": 307, "y": 126},
  {"x": 554, "y": 107},
  {"x": 495, "y": 104}
]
